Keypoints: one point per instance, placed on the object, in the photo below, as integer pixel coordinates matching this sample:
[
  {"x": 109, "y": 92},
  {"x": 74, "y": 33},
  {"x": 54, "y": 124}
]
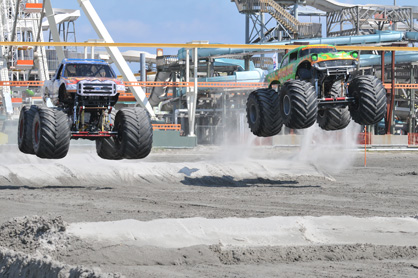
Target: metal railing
[{"x": 289, "y": 22}]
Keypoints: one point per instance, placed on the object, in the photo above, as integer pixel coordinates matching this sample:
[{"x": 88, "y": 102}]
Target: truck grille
[
  {"x": 97, "y": 88},
  {"x": 336, "y": 63}
]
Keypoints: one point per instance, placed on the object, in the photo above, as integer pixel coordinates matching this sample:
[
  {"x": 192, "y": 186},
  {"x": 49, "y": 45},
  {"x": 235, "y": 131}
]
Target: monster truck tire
[
  {"x": 298, "y": 104},
  {"x": 334, "y": 118},
  {"x": 370, "y": 100},
  {"x": 24, "y": 133},
  {"x": 50, "y": 133},
  {"x": 263, "y": 114},
  {"x": 106, "y": 147},
  {"x": 134, "y": 139}
]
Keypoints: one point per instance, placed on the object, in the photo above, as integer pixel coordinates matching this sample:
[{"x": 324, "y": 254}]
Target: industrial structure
[{"x": 215, "y": 110}]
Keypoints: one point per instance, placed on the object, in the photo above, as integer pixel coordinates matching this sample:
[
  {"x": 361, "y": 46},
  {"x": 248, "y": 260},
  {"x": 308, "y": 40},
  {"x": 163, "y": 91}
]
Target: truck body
[
  {"x": 83, "y": 94},
  {"x": 315, "y": 84}
]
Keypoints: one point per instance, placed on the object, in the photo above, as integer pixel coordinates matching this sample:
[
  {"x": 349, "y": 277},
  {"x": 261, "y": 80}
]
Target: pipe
[
  {"x": 376, "y": 60},
  {"x": 379, "y": 37},
  {"x": 411, "y": 36}
]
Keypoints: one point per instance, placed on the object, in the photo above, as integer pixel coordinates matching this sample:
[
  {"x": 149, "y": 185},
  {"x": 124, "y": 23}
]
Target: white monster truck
[{"x": 83, "y": 93}]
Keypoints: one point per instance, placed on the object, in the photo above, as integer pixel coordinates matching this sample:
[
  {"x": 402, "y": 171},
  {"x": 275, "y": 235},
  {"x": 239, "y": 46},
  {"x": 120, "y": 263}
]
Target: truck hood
[
  {"x": 334, "y": 56},
  {"x": 74, "y": 80}
]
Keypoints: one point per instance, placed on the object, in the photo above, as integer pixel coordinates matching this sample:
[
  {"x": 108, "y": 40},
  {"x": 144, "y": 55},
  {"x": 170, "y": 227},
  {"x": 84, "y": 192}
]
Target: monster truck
[
  {"x": 81, "y": 97},
  {"x": 315, "y": 83}
]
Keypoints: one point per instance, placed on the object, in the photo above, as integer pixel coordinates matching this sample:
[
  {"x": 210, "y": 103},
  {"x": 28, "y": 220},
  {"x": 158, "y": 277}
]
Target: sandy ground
[{"x": 233, "y": 211}]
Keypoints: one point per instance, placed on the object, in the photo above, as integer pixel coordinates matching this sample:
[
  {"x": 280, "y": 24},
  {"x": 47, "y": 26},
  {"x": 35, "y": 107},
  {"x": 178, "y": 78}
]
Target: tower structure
[
  {"x": 21, "y": 22},
  {"x": 273, "y": 20}
]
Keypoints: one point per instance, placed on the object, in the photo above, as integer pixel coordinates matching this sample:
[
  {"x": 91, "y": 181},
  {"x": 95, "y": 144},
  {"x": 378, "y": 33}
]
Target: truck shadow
[
  {"x": 18, "y": 187},
  {"x": 229, "y": 181}
]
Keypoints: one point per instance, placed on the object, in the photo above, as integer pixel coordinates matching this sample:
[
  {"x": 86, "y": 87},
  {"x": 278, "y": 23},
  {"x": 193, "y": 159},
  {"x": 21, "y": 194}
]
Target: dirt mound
[
  {"x": 34, "y": 233},
  {"x": 346, "y": 252},
  {"x": 85, "y": 169},
  {"x": 17, "y": 264},
  {"x": 37, "y": 241}
]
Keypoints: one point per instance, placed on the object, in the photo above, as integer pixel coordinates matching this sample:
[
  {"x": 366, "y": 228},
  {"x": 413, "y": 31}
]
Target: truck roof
[
  {"x": 312, "y": 46},
  {"x": 84, "y": 61}
]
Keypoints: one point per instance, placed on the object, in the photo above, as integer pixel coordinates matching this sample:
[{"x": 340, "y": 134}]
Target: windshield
[
  {"x": 308, "y": 51},
  {"x": 88, "y": 70}
]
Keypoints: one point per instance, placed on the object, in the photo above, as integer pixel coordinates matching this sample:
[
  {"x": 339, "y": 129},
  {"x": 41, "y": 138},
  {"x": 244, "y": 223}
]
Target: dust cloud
[
  {"x": 327, "y": 151},
  {"x": 330, "y": 151}
]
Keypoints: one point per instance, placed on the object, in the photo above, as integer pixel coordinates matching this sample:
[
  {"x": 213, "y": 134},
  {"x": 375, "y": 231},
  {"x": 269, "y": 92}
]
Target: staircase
[
  {"x": 280, "y": 14},
  {"x": 293, "y": 27}
]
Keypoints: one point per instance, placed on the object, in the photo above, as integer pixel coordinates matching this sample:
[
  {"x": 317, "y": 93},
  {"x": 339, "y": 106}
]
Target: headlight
[
  {"x": 72, "y": 87},
  {"x": 120, "y": 88}
]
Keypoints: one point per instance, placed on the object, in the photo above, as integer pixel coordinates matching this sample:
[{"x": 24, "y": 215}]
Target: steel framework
[
  {"x": 272, "y": 20},
  {"x": 361, "y": 20},
  {"x": 21, "y": 22}
]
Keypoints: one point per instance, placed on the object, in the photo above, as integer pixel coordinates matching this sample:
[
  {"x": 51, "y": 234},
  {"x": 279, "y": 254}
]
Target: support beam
[
  {"x": 115, "y": 54},
  {"x": 392, "y": 98},
  {"x": 247, "y": 28},
  {"x": 39, "y": 51},
  {"x": 412, "y": 115},
  {"x": 382, "y": 64},
  {"x": 192, "y": 95},
  {"x": 49, "y": 14},
  {"x": 143, "y": 67}
]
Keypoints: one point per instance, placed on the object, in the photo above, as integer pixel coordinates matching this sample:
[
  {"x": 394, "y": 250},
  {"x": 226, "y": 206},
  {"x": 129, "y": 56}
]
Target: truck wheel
[
  {"x": 263, "y": 113},
  {"x": 50, "y": 133},
  {"x": 106, "y": 147},
  {"x": 334, "y": 118},
  {"x": 369, "y": 105},
  {"x": 298, "y": 104},
  {"x": 134, "y": 139},
  {"x": 24, "y": 130}
]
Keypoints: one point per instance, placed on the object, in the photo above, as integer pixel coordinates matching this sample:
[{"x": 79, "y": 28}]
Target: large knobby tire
[
  {"x": 298, "y": 104},
  {"x": 24, "y": 130},
  {"x": 51, "y": 133},
  {"x": 334, "y": 118},
  {"x": 106, "y": 147},
  {"x": 263, "y": 113},
  {"x": 369, "y": 105},
  {"x": 134, "y": 138}
]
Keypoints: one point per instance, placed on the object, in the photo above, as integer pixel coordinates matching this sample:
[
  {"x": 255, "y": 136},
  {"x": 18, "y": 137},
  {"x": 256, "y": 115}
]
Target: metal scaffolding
[
  {"x": 273, "y": 20},
  {"x": 21, "y": 22},
  {"x": 363, "y": 20}
]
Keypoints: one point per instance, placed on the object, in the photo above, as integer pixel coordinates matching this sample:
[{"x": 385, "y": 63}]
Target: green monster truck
[{"x": 315, "y": 84}]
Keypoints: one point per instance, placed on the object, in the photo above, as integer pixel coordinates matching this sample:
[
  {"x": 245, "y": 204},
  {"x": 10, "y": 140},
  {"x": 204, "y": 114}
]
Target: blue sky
[{"x": 168, "y": 21}]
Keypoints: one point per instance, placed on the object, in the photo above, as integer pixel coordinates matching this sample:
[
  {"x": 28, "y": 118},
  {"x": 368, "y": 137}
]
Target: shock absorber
[
  {"x": 75, "y": 113},
  {"x": 345, "y": 87},
  {"x": 109, "y": 116}
]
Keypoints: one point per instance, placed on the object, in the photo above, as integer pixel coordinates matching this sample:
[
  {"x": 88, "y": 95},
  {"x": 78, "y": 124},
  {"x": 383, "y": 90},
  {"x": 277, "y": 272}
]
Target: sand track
[{"x": 213, "y": 184}]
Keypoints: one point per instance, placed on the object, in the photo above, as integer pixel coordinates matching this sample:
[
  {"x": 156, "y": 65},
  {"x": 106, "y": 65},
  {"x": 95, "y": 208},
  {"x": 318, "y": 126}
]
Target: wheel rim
[
  {"x": 286, "y": 105},
  {"x": 253, "y": 114}
]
